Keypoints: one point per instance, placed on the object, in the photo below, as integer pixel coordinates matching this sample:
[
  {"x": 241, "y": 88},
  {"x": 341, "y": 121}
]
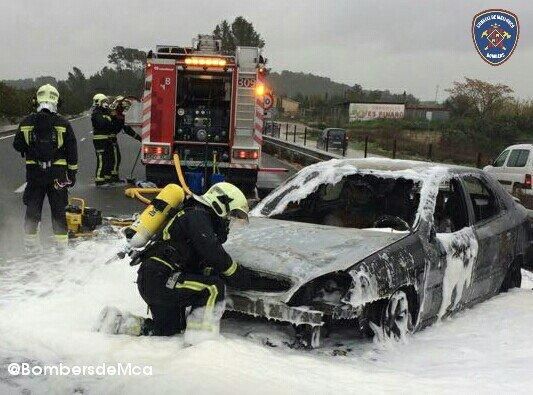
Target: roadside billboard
[{"x": 369, "y": 111}]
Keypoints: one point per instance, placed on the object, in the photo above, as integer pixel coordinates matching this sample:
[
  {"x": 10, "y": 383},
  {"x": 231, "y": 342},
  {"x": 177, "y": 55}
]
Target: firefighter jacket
[
  {"x": 118, "y": 126},
  {"x": 48, "y": 143},
  {"x": 102, "y": 123}
]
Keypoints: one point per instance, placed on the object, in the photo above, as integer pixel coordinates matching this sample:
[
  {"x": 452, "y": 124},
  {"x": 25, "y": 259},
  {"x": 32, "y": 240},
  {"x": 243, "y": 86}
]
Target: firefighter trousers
[
  {"x": 168, "y": 293},
  {"x": 104, "y": 161},
  {"x": 116, "y": 159},
  {"x": 33, "y": 198}
]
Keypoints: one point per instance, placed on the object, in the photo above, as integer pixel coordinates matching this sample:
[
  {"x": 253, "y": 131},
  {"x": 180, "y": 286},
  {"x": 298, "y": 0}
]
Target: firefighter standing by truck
[
  {"x": 48, "y": 143},
  {"x": 102, "y": 130},
  {"x": 119, "y": 106},
  {"x": 187, "y": 267}
]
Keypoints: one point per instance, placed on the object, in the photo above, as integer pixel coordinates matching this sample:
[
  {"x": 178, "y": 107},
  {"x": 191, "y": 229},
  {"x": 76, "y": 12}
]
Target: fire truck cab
[{"x": 206, "y": 106}]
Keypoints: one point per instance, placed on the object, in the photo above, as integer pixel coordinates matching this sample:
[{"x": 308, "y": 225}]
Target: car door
[
  {"x": 492, "y": 230},
  {"x": 498, "y": 170},
  {"x": 451, "y": 253},
  {"x": 515, "y": 168}
]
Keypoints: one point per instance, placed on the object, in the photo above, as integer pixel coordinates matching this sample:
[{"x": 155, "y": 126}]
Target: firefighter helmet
[
  {"x": 100, "y": 100},
  {"x": 120, "y": 103},
  {"x": 226, "y": 200},
  {"x": 47, "y": 94}
]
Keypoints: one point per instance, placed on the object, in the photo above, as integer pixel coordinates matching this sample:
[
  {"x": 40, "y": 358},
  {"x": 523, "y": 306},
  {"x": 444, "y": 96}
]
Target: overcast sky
[{"x": 382, "y": 44}]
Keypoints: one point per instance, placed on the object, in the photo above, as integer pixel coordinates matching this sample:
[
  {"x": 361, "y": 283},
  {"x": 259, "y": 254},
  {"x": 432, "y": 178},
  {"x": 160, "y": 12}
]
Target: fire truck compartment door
[{"x": 163, "y": 111}]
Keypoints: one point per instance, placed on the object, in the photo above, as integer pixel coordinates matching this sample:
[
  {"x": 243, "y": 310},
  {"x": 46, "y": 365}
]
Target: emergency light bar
[
  {"x": 245, "y": 154},
  {"x": 157, "y": 151},
  {"x": 202, "y": 61}
]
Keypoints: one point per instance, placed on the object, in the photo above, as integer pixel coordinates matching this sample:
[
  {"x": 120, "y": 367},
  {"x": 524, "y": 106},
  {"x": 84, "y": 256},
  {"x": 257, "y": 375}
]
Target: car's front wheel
[{"x": 396, "y": 317}]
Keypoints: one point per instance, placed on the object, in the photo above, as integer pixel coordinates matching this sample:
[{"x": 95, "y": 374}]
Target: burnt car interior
[
  {"x": 450, "y": 213},
  {"x": 359, "y": 201},
  {"x": 484, "y": 202}
]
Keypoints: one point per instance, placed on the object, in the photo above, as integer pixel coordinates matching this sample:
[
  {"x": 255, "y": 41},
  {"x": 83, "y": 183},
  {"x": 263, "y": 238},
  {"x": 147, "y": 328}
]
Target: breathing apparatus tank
[{"x": 154, "y": 216}]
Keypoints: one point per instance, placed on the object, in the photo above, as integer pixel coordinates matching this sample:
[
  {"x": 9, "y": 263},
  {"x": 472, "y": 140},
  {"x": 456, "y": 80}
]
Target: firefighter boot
[
  {"x": 203, "y": 324},
  {"x": 32, "y": 244},
  {"x": 113, "y": 321}
]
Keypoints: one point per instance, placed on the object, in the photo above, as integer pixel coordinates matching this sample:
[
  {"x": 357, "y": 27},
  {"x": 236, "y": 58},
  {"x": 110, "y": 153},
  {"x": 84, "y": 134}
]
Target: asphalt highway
[{"x": 110, "y": 200}]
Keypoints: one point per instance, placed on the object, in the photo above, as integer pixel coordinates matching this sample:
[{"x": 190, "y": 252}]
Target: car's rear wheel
[{"x": 396, "y": 317}]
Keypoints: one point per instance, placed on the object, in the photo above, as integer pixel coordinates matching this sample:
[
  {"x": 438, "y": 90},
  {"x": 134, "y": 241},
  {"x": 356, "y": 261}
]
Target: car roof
[
  {"x": 519, "y": 146},
  {"x": 386, "y": 164}
]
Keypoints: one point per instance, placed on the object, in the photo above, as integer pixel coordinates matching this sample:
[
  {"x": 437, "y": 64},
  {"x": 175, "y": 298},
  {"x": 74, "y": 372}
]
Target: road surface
[{"x": 110, "y": 200}]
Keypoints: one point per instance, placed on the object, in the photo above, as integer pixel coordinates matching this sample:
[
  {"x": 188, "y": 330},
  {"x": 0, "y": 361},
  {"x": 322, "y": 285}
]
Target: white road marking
[
  {"x": 21, "y": 188},
  {"x": 6, "y": 137}
]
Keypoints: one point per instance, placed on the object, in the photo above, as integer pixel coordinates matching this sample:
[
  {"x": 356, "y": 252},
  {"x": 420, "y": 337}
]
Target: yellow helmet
[
  {"x": 226, "y": 200},
  {"x": 47, "y": 94},
  {"x": 100, "y": 100}
]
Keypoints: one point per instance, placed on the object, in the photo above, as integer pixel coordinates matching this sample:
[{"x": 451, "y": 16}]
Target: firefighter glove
[
  {"x": 72, "y": 178},
  {"x": 239, "y": 277}
]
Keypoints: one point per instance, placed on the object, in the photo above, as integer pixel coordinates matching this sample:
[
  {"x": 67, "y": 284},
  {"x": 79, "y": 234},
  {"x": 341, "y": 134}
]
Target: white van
[{"x": 513, "y": 169}]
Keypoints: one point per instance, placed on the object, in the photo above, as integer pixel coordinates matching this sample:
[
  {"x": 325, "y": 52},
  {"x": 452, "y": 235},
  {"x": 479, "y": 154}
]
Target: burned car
[{"x": 387, "y": 245}]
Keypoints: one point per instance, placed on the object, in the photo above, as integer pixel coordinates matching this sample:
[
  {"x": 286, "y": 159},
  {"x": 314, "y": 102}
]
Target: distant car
[
  {"x": 272, "y": 129},
  {"x": 513, "y": 168},
  {"x": 332, "y": 138},
  {"x": 380, "y": 244}
]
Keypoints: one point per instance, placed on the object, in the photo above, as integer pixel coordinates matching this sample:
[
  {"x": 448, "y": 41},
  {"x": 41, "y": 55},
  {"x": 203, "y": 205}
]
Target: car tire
[
  {"x": 513, "y": 277},
  {"x": 396, "y": 316}
]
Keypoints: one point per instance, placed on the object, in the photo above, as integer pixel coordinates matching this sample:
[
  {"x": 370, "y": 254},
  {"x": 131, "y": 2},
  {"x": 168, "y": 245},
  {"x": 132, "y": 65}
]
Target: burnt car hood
[{"x": 300, "y": 252}]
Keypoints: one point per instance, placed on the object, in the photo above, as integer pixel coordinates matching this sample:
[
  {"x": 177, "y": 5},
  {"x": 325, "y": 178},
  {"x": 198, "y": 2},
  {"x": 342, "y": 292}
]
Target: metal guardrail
[
  {"x": 295, "y": 152},
  {"x": 8, "y": 129}
]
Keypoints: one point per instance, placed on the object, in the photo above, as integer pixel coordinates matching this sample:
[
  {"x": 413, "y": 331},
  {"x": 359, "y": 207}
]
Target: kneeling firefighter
[{"x": 186, "y": 266}]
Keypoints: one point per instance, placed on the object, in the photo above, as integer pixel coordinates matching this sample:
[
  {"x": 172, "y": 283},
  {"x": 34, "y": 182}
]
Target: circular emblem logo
[
  {"x": 495, "y": 34},
  {"x": 268, "y": 100}
]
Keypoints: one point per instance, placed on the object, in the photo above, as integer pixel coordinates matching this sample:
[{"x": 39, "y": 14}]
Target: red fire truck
[{"x": 207, "y": 106}]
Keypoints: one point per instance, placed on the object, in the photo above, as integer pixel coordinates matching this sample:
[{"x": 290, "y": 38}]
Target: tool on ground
[{"x": 81, "y": 220}]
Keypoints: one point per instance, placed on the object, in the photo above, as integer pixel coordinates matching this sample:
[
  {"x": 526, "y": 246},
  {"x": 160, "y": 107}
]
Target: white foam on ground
[{"x": 48, "y": 307}]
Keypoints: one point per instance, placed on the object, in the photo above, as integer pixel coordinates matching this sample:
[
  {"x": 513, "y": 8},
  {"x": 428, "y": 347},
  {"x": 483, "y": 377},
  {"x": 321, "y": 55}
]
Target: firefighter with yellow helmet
[
  {"x": 187, "y": 267},
  {"x": 102, "y": 123},
  {"x": 47, "y": 142}
]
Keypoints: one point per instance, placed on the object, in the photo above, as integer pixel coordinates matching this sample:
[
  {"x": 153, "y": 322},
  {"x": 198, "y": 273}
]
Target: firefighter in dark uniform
[
  {"x": 119, "y": 106},
  {"x": 102, "y": 130},
  {"x": 188, "y": 268},
  {"x": 48, "y": 143}
]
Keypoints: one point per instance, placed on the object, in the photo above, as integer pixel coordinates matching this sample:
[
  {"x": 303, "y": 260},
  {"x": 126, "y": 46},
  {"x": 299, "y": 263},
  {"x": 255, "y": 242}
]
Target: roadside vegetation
[{"x": 484, "y": 119}]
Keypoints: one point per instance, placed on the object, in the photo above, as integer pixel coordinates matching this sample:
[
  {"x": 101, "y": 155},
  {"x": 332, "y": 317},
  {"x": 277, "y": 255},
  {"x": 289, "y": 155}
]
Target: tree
[
  {"x": 223, "y": 32},
  {"x": 241, "y": 32},
  {"x": 478, "y": 98},
  {"x": 127, "y": 58}
]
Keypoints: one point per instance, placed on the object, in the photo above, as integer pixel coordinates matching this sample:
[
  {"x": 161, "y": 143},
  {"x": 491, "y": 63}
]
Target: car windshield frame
[{"x": 276, "y": 202}]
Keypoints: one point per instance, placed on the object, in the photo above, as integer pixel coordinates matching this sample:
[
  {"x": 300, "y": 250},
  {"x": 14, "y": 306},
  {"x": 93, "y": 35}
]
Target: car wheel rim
[{"x": 396, "y": 316}]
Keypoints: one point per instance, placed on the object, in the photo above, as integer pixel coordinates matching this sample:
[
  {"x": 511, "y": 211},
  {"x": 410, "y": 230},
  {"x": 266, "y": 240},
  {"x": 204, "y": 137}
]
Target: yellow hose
[
  {"x": 136, "y": 193},
  {"x": 177, "y": 165}
]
